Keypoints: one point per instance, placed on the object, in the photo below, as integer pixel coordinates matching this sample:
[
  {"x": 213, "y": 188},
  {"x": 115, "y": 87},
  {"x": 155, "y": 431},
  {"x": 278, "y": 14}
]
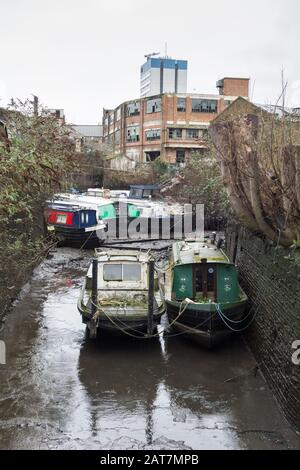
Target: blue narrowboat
[{"x": 75, "y": 223}]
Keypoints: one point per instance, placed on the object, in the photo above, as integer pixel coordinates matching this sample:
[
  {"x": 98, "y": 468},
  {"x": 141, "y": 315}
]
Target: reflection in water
[
  {"x": 61, "y": 390},
  {"x": 121, "y": 377}
]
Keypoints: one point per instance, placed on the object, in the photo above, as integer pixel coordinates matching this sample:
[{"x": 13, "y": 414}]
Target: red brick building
[{"x": 170, "y": 126}]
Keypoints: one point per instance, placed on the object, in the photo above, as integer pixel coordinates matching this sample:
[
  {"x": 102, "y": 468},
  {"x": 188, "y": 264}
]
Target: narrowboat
[
  {"x": 118, "y": 209},
  {"x": 118, "y": 289},
  {"x": 74, "y": 223},
  {"x": 203, "y": 297},
  {"x": 89, "y": 224},
  {"x": 157, "y": 217}
]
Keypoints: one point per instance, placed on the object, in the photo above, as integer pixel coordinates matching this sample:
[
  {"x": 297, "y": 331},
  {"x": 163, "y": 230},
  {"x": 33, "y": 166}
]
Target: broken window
[
  {"x": 133, "y": 109},
  {"x": 151, "y": 156},
  {"x": 180, "y": 156},
  {"x": 133, "y": 133},
  {"x": 153, "y": 134},
  {"x": 192, "y": 133},
  {"x": 181, "y": 105},
  {"x": 204, "y": 106},
  {"x": 154, "y": 106},
  {"x": 175, "y": 133}
]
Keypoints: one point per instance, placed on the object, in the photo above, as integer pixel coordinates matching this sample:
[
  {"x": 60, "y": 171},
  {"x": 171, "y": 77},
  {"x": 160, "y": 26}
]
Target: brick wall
[
  {"x": 236, "y": 87},
  {"x": 272, "y": 281}
]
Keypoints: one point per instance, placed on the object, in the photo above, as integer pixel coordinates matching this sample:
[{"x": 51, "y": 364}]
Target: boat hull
[
  {"x": 203, "y": 324},
  {"x": 132, "y": 323},
  {"x": 76, "y": 237}
]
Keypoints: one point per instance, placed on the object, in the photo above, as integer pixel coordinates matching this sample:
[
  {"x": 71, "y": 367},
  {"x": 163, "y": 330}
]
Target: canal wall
[{"x": 270, "y": 275}]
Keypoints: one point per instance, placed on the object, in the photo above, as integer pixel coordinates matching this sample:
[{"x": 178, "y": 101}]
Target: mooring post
[
  {"x": 93, "y": 323},
  {"x": 94, "y": 286},
  {"x": 150, "y": 296}
]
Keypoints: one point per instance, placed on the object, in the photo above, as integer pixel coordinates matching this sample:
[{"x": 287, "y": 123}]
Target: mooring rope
[
  {"x": 224, "y": 318},
  {"x": 181, "y": 311}
]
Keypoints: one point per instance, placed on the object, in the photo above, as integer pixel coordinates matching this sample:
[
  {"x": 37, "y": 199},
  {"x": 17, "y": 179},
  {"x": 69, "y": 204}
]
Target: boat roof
[
  {"x": 67, "y": 206},
  {"x": 113, "y": 255},
  {"x": 187, "y": 252},
  {"x": 144, "y": 186}
]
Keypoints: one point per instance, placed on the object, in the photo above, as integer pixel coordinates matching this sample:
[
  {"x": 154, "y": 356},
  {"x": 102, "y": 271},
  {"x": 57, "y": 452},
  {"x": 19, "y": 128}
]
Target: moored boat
[
  {"x": 202, "y": 293},
  {"x": 116, "y": 293},
  {"x": 88, "y": 223},
  {"x": 75, "y": 223}
]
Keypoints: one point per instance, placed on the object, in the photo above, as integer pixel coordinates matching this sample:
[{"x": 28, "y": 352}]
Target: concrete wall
[{"x": 271, "y": 279}]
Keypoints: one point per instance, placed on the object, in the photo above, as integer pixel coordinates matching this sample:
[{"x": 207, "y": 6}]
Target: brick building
[{"x": 168, "y": 125}]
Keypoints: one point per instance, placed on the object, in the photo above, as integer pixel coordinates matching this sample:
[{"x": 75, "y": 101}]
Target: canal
[{"x": 60, "y": 390}]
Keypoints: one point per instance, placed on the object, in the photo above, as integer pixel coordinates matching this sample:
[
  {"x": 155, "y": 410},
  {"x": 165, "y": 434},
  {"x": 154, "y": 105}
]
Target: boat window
[
  {"x": 61, "y": 218},
  {"x": 137, "y": 193},
  {"x": 112, "y": 272},
  {"x": 131, "y": 272},
  {"x": 122, "y": 272},
  {"x": 147, "y": 193}
]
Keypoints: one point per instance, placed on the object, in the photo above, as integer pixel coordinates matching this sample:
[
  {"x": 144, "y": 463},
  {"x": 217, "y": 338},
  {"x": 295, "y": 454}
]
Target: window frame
[
  {"x": 177, "y": 160},
  {"x": 189, "y": 137},
  {"x": 181, "y": 109},
  {"x": 199, "y": 108},
  {"x": 121, "y": 278},
  {"x": 175, "y": 129},
  {"x": 157, "y": 135},
  {"x": 156, "y": 106}
]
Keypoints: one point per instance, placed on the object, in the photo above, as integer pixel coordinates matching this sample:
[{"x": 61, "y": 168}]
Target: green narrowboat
[{"x": 203, "y": 297}]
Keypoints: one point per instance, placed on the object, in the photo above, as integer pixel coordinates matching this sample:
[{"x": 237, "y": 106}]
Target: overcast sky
[{"x": 86, "y": 55}]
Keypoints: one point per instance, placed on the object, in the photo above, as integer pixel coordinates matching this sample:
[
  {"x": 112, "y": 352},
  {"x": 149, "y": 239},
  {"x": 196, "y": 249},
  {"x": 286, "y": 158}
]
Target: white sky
[{"x": 85, "y": 55}]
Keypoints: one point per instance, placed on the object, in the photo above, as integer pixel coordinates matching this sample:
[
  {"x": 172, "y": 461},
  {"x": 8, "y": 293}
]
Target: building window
[
  {"x": 181, "y": 105},
  {"x": 133, "y": 134},
  {"x": 204, "y": 106},
  {"x": 153, "y": 134},
  {"x": 180, "y": 157},
  {"x": 175, "y": 133},
  {"x": 151, "y": 156},
  {"x": 154, "y": 106},
  {"x": 192, "y": 133},
  {"x": 133, "y": 109}
]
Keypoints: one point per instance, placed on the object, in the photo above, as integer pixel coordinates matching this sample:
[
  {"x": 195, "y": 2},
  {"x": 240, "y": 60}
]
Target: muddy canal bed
[{"x": 60, "y": 390}]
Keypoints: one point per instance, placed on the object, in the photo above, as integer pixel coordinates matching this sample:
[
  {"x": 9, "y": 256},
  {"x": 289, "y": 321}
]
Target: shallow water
[{"x": 60, "y": 390}]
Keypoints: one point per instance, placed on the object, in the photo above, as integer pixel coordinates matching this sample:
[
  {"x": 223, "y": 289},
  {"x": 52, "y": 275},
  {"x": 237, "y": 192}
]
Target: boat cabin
[
  {"x": 143, "y": 191},
  {"x": 121, "y": 274},
  {"x": 70, "y": 216},
  {"x": 116, "y": 209},
  {"x": 203, "y": 273}
]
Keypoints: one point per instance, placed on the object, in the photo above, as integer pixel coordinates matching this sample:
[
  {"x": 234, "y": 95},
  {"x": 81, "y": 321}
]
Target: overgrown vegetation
[
  {"x": 259, "y": 155},
  {"x": 37, "y": 163},
  {"x": 200, "y": 182}
]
